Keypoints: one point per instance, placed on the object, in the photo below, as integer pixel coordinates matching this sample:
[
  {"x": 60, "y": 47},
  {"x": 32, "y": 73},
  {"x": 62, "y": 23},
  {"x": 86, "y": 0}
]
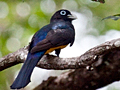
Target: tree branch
[
  {"x": 53, "y": 62},
  {"x": 94, "y": 69},
  {"x": 104, "y": 70},
  {"x": 84, "y": 79}
]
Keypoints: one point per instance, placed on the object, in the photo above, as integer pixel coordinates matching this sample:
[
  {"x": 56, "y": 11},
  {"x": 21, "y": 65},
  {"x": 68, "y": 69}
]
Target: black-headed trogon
[{"x": 54, "y": 36}]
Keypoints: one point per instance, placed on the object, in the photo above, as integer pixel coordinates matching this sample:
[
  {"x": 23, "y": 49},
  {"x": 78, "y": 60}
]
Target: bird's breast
[
  {"x": 59, "y": 25},
  {"x": 52, "y": 49}
]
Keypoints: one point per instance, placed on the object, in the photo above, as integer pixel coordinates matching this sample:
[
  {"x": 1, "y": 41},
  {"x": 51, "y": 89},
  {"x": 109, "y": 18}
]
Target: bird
[{"x": 56, "y": 35}]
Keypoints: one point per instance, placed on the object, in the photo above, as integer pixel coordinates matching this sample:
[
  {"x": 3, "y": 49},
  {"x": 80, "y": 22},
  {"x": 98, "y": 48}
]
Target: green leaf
[{"x": 114, "y": 17}]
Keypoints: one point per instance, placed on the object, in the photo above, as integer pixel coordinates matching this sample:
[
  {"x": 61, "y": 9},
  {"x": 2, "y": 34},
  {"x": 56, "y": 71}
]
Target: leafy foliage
[{"x": 114, "y": 17}]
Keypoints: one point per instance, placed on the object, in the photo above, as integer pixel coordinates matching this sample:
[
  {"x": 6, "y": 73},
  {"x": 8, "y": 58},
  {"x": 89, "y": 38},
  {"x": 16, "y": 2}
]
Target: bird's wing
[{"x": 54, "y": 38}]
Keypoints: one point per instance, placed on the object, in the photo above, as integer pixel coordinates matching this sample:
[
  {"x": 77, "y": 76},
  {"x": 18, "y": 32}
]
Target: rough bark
[
  {"x": 96, "y": 68},
  {"x": 87, "y": 78}
]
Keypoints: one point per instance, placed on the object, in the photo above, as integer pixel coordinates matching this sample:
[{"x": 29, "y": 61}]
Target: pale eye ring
[{"x": 63, "y": 12}]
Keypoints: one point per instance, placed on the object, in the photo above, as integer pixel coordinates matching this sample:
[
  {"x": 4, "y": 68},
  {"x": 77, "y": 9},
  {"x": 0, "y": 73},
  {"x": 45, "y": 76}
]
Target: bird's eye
[{"x": 63, "y": 13}]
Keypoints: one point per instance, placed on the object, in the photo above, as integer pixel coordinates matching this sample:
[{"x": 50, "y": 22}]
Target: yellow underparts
[{"x": 52, "y": 49}]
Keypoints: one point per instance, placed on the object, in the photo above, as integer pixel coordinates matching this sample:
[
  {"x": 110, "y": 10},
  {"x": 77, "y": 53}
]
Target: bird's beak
[{"x": 72, "y": 16}]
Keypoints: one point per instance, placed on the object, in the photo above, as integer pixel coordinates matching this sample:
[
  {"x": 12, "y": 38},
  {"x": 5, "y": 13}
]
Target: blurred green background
[{"x": 20, "y": 19}]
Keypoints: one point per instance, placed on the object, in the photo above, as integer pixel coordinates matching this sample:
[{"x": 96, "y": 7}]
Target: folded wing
[{"x": 55, "y": 38}]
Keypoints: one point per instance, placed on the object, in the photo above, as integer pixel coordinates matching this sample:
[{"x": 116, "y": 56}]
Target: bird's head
[{"x": 62, "y": 14}]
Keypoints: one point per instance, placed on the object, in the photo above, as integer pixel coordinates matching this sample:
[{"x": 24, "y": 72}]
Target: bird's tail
[{"x": 24, "y": 75}]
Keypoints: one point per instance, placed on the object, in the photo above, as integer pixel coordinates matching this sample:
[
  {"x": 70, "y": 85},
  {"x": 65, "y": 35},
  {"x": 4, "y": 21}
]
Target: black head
[{"x": 62, "y": 15}]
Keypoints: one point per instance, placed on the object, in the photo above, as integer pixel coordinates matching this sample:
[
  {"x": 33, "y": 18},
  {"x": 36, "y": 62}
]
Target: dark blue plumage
[{"x": 54, "y": 36}]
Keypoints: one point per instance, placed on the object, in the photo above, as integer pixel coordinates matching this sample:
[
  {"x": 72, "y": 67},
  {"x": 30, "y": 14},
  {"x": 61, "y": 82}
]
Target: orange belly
[{"x": 52, "y": 49}]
